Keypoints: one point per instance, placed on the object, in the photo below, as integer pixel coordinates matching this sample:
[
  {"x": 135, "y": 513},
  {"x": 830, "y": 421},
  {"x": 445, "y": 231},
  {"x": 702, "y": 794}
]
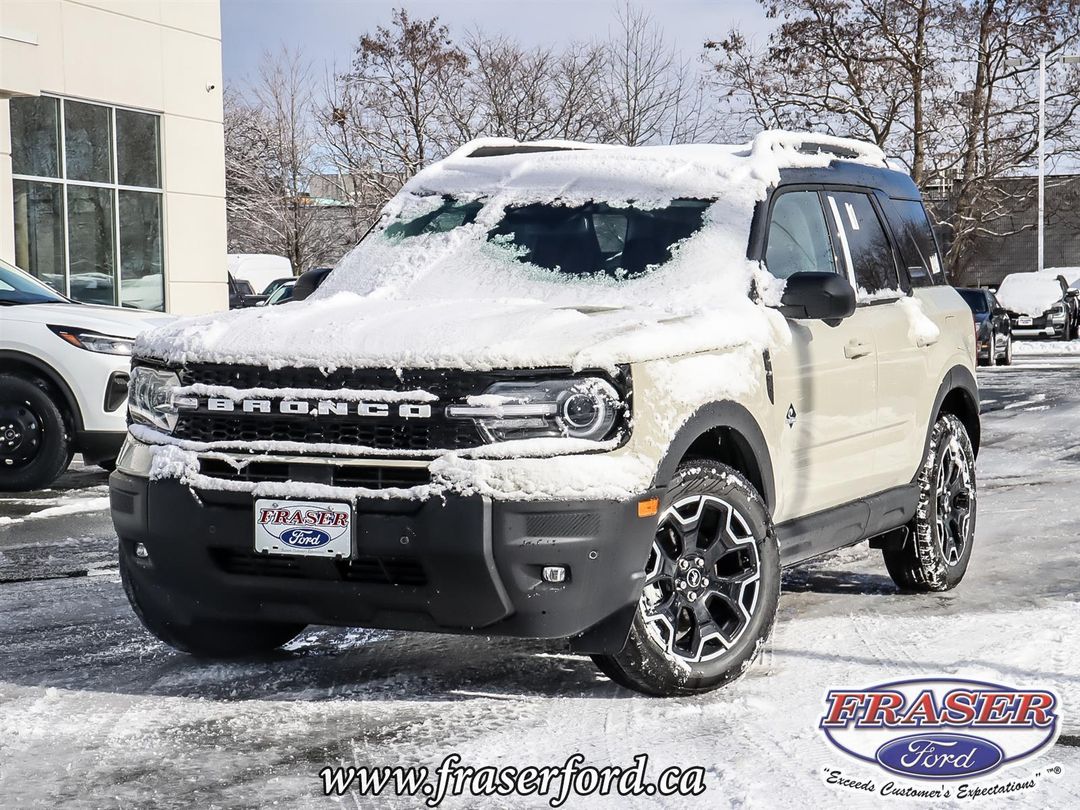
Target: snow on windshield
[
  {"x": 1029, "y": 293},
  {"x": 452, "y": 297}
]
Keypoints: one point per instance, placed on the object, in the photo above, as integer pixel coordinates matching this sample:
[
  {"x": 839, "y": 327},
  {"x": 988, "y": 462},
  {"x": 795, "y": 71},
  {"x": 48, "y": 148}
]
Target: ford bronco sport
[{"x": 562, "y": 391}]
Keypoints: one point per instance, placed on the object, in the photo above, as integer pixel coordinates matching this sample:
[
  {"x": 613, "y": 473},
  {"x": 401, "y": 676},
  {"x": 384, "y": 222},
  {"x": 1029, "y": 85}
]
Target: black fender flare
[
  {"x": 52, "y": 376},
  {"x": 723, "y": 414},
  {"x": 958, "y": 378}
]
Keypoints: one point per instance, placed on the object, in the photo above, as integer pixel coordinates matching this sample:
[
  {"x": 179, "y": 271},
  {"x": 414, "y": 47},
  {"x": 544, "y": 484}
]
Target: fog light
[
  {"x": 141, "y": 552},
  {"x": 555, "y": 573}
]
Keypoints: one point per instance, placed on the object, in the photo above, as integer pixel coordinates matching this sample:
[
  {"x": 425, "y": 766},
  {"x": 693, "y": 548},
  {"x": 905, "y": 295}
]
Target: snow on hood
[
  {"x": 457, "y": 300},
  {"x": 1029, "y": 293},
  {"x": 117, "y": 321}
]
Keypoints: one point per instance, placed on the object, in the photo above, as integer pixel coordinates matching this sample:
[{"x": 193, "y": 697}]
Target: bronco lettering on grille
[{"x": 323, "y": 407}]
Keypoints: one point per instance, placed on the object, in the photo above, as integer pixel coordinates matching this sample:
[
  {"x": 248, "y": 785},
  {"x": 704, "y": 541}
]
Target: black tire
[
  {"x": 1007, "y": 356},
  {"x": 935, "y": 554},
  {"x": 710, "y": 514},
  {"x": 35, "y": 447},
  {"x": 206, "y": 638}
]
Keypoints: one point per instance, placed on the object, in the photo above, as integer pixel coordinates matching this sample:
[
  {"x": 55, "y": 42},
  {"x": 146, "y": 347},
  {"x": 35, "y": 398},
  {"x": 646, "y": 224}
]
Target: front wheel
[
  {"x": 1005, "y": 359},
  {"x": 34, "y": 444},
  {"x": 711, "y": 587},
  {"x": 935, "y": 554}
]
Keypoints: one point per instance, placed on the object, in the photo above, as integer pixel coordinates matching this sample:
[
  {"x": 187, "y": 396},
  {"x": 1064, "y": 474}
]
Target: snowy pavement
[{"x": 94, "y": 714}]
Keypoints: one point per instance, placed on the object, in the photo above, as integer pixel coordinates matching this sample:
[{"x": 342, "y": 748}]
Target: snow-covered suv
[
  {"x": 565, "y": 391},
  {"x": 63, "y": 379}
]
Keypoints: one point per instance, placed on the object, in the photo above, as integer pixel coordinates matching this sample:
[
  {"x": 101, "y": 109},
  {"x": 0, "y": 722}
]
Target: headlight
[
  {"x": 586, "y": 408},
  {"x": 150, "y": 397},
  {"x": 94, "y": 341}
]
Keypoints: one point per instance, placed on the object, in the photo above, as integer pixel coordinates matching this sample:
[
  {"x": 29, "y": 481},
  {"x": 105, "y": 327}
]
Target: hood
[
  {"x": 1029, "y": 293},
  {"x": 117, "y": 321},
  {"x": 349, "y": 330}
]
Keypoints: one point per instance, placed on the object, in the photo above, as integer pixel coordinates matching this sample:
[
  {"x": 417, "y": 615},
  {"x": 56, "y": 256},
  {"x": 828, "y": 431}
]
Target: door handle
[
  {"x": 856, "y": 348},
  {"x": 923, "y": 342}
]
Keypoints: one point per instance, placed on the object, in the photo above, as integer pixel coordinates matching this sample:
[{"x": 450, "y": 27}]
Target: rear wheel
[
  {"x": 711, "y": 588},
  {"x": 34, "y": 444},
  {"x": 205, "y": 638},
  {"x": 935, "y": 554}
]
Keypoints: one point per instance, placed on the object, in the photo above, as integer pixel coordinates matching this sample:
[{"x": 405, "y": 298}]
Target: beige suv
[{"x": 594, "y": 393}]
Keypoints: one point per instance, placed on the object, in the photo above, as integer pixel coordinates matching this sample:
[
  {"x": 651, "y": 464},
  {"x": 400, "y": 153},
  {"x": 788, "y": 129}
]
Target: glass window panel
[
  {"x": 39, "y": 231},
  {"x": 35, "y": 136},
  {"x": 142, "y": 283},
  {"x": 798, "y": 236},
  {"x": 137, "y": 151},
  {"x": 88, "y": 142},
  {"x": 871, "y": 254},
  {"x": 90, "y": 242}
]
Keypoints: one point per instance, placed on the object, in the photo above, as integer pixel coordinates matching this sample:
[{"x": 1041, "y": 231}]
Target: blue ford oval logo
[
  {"x": 944, "y": 756},
  {"x": 305, "y": 538}
]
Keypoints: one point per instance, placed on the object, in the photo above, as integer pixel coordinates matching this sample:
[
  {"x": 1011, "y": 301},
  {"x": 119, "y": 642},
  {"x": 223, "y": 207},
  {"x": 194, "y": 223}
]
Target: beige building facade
[{"x": 112, "y": 169}]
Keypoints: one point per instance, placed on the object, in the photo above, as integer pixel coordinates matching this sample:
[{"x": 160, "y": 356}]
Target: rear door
[{"x": 825, "y": 397}]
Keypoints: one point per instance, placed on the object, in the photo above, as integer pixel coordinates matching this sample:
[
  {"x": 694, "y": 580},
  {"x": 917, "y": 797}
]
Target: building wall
[{"x": 162, "y": 56}]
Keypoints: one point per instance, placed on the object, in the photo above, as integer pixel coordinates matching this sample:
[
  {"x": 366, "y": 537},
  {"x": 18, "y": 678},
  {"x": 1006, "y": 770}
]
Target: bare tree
[
  {"x": 651, "y": 93},
  {"x": 272, "y": 154},
  {"x": 927, "y": 80}
]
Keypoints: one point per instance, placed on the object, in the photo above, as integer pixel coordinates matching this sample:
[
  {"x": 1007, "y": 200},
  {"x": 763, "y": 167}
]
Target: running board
[{"x": 826, "y": 531}]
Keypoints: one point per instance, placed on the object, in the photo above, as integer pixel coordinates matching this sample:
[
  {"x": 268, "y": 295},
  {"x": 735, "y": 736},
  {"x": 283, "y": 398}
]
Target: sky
[{"x": 328, "y": 30}]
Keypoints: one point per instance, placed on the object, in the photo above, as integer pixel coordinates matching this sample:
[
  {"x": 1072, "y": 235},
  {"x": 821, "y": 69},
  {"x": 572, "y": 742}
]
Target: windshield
[
  {"x": 618, "y": 241},
  {"x": 975, "y": 299},
  {"x": 17, "y": 287}
]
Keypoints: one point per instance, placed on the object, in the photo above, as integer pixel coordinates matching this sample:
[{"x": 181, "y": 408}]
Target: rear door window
[
  {"x": 865, "y": 244},
  {"x": 917, "y": 243},
  {"x": 798, "y": 239}
]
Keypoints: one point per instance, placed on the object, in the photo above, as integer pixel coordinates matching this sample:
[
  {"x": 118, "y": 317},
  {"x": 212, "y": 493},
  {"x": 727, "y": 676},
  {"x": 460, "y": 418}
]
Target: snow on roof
[
  {"x": 573, "y": 170},
  {"x": 1029, "y": 293}
]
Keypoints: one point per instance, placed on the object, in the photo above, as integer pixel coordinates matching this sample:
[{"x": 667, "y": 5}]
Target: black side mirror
[
  {"x": 309, "y": 282},
  {"x": 818, "y": 296}
]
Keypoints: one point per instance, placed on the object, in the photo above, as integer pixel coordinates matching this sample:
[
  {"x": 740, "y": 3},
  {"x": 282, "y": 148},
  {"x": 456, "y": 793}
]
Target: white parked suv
[
  {"x": 566, "y": 391},
  {"x": 63, "y": 380}
]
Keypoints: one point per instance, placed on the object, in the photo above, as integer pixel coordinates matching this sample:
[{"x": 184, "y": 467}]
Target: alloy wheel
[
  {"x": 701, "y": 584},
  {"x": 955, "y": 495}
]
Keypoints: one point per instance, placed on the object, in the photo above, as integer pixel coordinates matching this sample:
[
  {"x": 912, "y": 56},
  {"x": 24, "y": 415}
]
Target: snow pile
[
  {"x": 921, "y": 330},
  {"x": 457, "y": 300},
  {"x": 1029, "y": 293}
]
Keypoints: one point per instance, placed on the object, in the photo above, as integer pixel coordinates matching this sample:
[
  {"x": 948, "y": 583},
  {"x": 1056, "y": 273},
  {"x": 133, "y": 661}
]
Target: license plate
[
  {"x": 303, "y": 528},
  {"x": 1024, "y": 321}
]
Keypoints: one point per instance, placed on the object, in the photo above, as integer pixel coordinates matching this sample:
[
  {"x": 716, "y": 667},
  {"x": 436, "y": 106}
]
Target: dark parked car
[{"x": 993, "y": 327}]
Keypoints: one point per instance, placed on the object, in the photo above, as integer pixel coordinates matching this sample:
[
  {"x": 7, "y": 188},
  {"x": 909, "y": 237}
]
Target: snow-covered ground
[{"x": 93, "y": 713}]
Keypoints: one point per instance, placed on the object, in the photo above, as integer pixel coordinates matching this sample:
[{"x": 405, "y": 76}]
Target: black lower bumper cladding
[{"x": 454, "y": 564}]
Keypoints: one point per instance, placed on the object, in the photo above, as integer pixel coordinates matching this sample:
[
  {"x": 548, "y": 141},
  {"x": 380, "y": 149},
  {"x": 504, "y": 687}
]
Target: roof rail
[
  {"x": 812, "y": 143},
  {"x": 518, "y": 149}
]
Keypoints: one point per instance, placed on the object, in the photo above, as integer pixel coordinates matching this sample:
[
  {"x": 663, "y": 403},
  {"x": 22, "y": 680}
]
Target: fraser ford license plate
[
  {"x": 303, "y": 528},
  {"x": 1024, "y": 321}
]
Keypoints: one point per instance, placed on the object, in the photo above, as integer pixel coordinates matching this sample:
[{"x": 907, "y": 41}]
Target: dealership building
[{"x": 112, "y": 176}]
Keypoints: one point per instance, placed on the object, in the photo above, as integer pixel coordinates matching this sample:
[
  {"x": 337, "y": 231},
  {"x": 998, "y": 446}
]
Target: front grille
[
  {"x": 372, "y": 570},
  {"x": 344, "y": 475},
  {"x": 429, "y": 435}
]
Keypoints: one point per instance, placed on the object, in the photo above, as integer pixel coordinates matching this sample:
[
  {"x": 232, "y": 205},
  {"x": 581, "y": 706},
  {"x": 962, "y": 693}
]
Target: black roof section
[{"x": 849, "y": 173}]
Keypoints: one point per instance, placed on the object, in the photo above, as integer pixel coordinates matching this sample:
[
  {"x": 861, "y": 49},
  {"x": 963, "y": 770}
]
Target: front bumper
[{"x": 453, "y": 564}]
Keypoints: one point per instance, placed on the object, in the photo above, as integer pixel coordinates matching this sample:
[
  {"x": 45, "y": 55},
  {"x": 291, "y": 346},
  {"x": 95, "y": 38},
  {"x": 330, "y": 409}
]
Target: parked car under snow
[{"x": 1041, "y": 304}]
